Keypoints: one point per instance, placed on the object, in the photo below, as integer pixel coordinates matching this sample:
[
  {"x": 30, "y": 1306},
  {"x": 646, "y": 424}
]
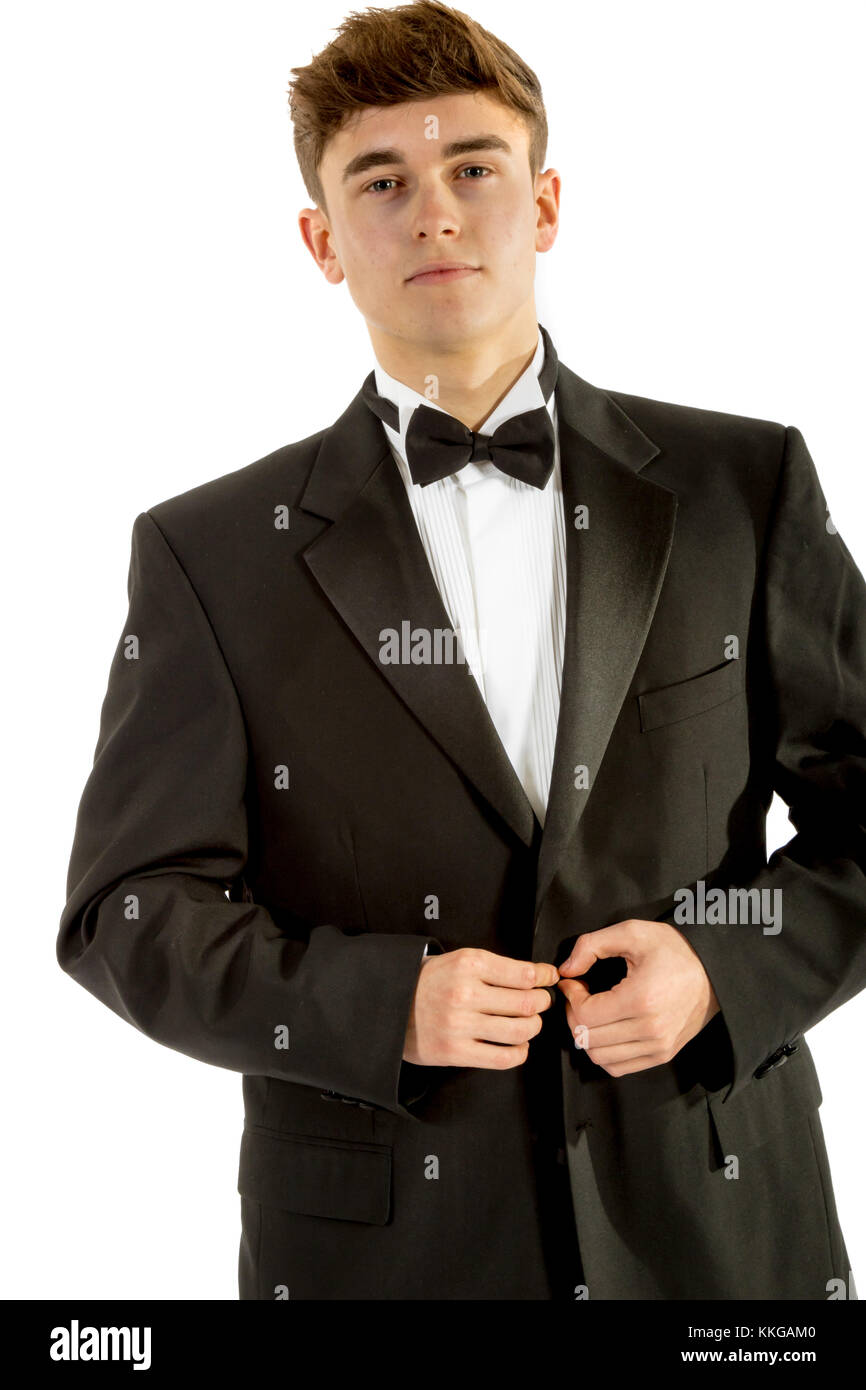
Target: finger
[
  {"x": 575, "y": 991},
  {"x": 631, "y": 1033},
  {"x": 615, "y": 1005},
  {"x": 576, "y": 1019},
  {"x": 514, "y": 1031},
  {"x": 506, "y": 971},
  {"x": 494, "y": 1056},
  {"x": 513, "y": 1003}
]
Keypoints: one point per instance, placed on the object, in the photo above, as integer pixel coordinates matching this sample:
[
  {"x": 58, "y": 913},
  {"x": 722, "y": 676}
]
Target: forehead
[{"x": 408, "y": 128}]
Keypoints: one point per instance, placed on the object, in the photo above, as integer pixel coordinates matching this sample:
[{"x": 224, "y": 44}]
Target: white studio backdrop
[{"x": 163, "y": 324}]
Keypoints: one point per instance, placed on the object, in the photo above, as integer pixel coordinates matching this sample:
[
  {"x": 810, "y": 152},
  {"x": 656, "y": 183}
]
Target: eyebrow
[{"x": 372, "y": 159}]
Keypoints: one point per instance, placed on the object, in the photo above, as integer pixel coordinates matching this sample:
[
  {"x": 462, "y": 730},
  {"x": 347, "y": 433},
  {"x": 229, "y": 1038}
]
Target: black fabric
[
  {"x": 253, "y": 742},
  {"x": 543, "y": 1076}
]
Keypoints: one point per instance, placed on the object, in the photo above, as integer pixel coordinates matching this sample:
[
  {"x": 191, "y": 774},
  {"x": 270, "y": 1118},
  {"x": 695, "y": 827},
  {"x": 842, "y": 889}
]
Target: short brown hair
[{"x": 383, "y": 57}]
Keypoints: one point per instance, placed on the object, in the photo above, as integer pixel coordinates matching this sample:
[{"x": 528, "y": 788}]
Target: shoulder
[
  {"x": 276, "y": 479},
  {"x": 671, "y": 423}
]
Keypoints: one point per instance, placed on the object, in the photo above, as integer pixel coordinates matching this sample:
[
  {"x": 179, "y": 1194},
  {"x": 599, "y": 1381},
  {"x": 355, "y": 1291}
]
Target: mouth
[{"x": 442, "y": 274}]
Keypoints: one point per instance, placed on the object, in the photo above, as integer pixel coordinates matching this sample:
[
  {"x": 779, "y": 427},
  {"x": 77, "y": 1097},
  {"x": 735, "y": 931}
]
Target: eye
[
  {"x": 470, "y": 167},
  {"x": 371, "y": 186}
]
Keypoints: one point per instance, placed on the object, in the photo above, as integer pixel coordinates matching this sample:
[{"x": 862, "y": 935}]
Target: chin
[{"x": 453, "y": 324}]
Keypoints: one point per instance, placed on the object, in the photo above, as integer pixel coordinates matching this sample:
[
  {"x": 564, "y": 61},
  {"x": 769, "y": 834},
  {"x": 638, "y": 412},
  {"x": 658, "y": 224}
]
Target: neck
[{"x": 472, "y": 376}]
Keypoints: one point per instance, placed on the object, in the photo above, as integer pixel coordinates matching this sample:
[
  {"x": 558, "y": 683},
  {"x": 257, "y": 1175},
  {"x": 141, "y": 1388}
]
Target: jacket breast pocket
[
  {"x": 316, "y": 1176},
  {"x": 671, "y": 703}
]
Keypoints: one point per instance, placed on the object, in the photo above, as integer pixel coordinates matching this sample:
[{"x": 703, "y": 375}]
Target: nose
[{"x": 434, "y": 213}]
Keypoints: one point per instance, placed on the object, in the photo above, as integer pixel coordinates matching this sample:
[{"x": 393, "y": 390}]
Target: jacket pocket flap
[
  {"x": 316, "y": 1176},
  {"x": 693, "y": 696},
  {"x": 766, "y": 1104}
]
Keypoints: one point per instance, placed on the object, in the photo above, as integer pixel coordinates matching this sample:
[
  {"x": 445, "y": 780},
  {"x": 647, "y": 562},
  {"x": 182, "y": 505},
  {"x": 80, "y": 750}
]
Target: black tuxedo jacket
[{"x": 277, "y": 823}]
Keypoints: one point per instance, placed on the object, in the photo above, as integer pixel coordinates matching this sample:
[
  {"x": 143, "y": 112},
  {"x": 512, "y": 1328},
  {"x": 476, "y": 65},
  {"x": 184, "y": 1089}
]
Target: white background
[{"x": 163, "y": 324}]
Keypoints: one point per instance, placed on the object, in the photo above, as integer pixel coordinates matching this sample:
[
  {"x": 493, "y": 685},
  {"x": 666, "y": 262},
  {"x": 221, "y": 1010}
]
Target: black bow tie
[{"x": 437, "y": 445}]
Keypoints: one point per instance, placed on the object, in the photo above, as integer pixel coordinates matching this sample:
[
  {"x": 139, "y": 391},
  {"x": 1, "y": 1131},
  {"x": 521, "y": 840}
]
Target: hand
[
  {"x": 663, "y": 1001},
  {"x": 468, "y": 1001}
]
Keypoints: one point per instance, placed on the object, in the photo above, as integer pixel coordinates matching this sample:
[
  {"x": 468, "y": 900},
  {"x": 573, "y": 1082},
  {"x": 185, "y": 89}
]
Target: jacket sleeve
[
  {"x": 161, "y": 835},
  {"x": 773, "y": 986}
]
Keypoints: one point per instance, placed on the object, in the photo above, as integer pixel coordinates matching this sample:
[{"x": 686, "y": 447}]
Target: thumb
[{"x": 598, "y": 945}]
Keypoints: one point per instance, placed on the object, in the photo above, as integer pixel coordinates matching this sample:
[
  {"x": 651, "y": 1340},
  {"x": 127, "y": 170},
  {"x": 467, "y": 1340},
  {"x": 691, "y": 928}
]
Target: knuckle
[
  {"x": 467, "y": 958},
  {"x": 513, "y": 1056}
]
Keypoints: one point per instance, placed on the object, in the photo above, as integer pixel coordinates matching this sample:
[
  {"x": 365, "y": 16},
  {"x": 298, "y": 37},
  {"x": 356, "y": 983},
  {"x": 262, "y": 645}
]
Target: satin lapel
[
  {"x": 371, "y": 565},
  {"x": 614, "y": 571}
]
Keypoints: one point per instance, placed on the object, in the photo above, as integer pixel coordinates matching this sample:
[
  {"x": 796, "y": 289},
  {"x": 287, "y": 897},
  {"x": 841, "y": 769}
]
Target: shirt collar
[{"x": 525, "y": 394}]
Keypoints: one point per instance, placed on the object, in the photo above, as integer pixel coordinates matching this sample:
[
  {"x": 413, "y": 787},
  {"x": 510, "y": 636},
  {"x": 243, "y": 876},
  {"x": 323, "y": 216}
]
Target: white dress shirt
[{"x": 496, "y": 548}]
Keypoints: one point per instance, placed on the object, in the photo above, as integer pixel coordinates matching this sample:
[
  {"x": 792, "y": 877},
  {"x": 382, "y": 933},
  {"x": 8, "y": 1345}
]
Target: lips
[{"x": 440, "y": 272}]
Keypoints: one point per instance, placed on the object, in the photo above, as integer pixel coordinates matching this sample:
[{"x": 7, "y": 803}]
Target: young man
[{"x": 474, "y": 703}]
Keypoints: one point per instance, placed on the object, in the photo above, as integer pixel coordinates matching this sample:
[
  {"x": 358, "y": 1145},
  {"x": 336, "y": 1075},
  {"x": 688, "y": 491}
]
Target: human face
[{"x": 443, "y": 179}]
